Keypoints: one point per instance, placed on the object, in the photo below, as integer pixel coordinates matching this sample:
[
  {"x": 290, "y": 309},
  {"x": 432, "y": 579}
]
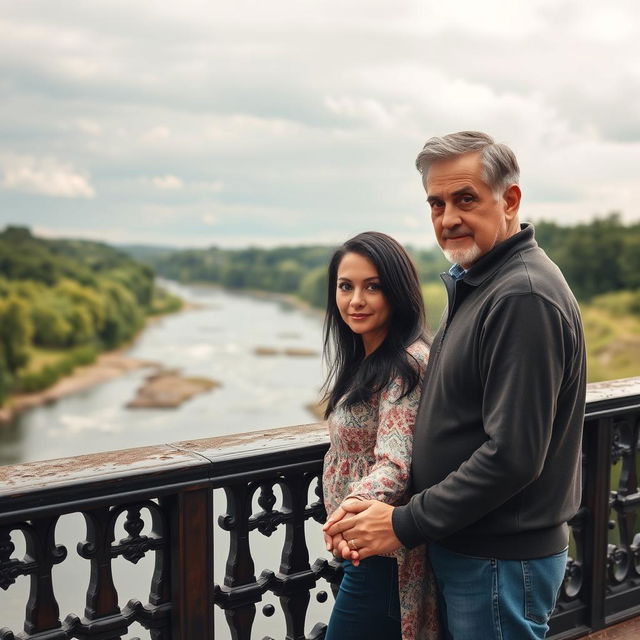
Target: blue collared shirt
[{"x": 456, "y": 271}]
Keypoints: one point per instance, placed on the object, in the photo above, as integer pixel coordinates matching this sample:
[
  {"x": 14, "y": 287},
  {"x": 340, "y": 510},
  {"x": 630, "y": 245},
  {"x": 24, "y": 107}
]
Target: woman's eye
[
  {"x": 344, "y": 286},
  {"x": 375, "y": 286}
]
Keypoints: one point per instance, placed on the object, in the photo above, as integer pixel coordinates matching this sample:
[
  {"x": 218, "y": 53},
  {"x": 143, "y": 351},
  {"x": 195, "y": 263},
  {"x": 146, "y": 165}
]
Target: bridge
[{"x": 265, "y": 484}]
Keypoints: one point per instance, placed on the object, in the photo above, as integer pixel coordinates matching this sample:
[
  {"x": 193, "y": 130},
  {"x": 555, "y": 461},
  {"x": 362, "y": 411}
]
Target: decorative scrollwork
[
  {"x": 574, "y": 578},
  {"x": 618, "y": 562},
  {"x": 267, "y": 499},
  {"x": 134, "y": 546},
  {"x": 267, "y": 520},
  {"x": 316, "y": 510},
  {"x": 10, "y": 569},
  {"x": 619, "y": 447},
  {"x": 226, "y": 522},
  {"x": 635, "y": 552}
]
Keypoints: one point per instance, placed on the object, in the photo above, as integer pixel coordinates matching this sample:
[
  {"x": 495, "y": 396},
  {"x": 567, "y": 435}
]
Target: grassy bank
[{"x": 611, "y": 324}]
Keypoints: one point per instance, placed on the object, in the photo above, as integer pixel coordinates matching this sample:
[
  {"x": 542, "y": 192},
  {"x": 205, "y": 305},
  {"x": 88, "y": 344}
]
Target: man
[{"x": 496, "y": 458}]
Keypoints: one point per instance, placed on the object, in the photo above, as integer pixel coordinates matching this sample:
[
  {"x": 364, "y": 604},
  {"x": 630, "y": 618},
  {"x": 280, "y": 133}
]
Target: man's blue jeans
[
  {"x": 492, "y": 599},
  {"x": 367, "y": 606}
]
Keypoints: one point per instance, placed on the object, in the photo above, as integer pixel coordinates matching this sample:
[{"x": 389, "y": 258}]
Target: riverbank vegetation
[
  {"x": 64, "y": 301},
  {"x": 600, "y": 259}
]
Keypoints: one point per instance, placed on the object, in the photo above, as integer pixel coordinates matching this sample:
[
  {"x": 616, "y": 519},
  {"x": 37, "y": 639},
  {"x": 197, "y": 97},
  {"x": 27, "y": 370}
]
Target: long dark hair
[{"x": 350, "y": 373}]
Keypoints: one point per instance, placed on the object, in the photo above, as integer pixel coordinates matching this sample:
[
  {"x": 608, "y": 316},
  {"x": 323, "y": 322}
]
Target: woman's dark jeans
[{"x": 368, "y": 604}]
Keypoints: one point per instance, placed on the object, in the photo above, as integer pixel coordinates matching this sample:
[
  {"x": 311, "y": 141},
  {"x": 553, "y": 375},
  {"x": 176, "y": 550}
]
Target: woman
[{"x": 377, "y": 350}]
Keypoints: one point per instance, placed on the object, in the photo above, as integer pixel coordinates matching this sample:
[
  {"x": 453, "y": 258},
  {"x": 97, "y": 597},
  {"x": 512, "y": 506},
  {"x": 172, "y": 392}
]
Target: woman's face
[{"x": 360, "y": 300}]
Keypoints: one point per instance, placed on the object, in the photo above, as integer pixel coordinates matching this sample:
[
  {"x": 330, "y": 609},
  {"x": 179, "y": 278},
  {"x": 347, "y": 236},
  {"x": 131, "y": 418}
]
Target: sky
[{"x": 199, "y": 123}]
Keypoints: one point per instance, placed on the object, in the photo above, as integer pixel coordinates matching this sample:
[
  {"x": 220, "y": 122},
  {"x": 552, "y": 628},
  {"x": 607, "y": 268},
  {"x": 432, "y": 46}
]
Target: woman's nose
[{"x": 356, "y": 298}]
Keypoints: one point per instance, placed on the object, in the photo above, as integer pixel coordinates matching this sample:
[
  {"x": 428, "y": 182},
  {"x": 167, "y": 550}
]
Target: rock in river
[{"x": 168, "y": 389}]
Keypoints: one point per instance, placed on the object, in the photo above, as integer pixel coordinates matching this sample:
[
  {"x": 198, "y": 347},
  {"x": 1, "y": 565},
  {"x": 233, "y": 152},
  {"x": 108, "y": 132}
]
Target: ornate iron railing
[{"x": 164, "y": 499}]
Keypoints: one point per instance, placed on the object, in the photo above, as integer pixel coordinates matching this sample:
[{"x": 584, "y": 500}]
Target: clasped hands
[{"x": 358, "y": 529}]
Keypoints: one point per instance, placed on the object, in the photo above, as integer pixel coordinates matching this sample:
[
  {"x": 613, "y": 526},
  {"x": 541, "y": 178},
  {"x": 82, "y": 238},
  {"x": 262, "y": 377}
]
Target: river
[{"x": 216, "y": 337}]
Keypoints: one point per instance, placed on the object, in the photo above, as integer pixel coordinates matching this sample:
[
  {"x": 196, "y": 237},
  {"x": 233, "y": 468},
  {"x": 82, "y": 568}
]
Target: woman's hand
[
  {"x": 370, "y": 527},
  {"x": 337, "y": 544}
]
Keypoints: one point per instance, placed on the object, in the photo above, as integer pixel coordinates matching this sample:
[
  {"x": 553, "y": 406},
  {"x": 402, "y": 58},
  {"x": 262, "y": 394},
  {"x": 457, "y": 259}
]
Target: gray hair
[{"x": 499, "y": 165}]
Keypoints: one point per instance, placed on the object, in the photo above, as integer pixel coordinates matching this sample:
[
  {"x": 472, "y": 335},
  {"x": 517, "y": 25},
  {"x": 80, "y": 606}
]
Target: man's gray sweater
[{"x": 496, "y": 459}]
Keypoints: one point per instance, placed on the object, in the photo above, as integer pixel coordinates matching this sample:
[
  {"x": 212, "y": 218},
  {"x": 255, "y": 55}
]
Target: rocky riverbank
[{"x": 106, "y": 367}]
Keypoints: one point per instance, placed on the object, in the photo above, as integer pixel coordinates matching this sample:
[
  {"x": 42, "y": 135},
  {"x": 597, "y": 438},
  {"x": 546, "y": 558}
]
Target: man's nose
[{"x": 450, "y": 217}]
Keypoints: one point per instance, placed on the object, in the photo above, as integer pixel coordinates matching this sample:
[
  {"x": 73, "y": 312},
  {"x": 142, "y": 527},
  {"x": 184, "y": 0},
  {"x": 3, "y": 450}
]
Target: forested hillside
[{"x": 63, "y": 301}]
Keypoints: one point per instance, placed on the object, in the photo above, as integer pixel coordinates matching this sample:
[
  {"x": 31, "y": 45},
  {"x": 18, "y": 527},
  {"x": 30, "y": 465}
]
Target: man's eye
[{"x": 466, "y": 199}]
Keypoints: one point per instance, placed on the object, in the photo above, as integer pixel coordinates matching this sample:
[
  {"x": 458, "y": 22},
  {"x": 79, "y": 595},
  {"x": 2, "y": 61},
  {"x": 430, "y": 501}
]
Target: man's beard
[{"x": 463, "y": 256}]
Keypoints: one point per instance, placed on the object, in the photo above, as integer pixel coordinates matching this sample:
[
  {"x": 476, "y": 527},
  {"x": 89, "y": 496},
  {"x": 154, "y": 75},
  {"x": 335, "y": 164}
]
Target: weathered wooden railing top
[{"x": 52, "y": 483}]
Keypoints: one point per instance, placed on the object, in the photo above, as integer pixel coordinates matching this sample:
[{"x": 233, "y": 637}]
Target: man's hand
[
  {"x": 336, "y": 543},
  {"x": 369, "y": 532}
]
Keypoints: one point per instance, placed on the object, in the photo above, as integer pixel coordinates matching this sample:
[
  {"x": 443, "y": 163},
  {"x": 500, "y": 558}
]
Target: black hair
[{"x": 351, "y": 374}]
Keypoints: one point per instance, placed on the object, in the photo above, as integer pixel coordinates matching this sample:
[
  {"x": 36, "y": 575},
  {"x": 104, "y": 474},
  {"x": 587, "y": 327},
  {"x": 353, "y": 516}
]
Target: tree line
[
  {"x": 596, "y": 257},
  {"x": 69, "y": 298},
  {"x": 300, "y": 270}
]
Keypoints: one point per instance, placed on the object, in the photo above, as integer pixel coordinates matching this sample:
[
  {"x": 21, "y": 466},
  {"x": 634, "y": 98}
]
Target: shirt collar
[{"x": 456, "y": 271}]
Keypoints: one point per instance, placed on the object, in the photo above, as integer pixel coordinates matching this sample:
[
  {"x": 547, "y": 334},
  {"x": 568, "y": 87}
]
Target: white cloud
[
  {"x": 302, "y": 120},
  {"x": 90, "y": 127},
  {"x": 168, "y": 182},
  {"x": 412, "y": 222},
  {"x": 210, "y": 219},
  {"x": 368, "y": 110},
  {"x": 46, "y": 176},
  {"x": 156, "y": 134}
]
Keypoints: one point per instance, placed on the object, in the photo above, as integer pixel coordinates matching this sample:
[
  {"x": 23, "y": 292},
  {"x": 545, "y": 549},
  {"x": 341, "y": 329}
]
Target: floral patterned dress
[{"x": 370, "y": 458}]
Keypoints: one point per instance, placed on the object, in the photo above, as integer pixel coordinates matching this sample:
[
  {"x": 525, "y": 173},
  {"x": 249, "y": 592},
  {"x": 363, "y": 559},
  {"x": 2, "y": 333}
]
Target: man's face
[{"x": 467, "y": 218}]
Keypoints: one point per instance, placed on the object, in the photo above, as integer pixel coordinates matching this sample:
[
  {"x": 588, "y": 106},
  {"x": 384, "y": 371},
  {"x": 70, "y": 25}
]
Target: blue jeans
[
  {"x": 492, "y": 599},
  {"x": 367, "y": 606}
]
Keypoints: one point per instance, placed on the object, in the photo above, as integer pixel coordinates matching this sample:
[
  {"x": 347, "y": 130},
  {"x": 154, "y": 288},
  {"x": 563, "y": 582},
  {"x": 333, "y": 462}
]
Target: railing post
[
  {"x": 191, "y": 527},
  {"x": 598, "y": 434}
]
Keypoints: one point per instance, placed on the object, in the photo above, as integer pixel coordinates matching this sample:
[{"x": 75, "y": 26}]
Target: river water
[{"x": 216, "y": 338}]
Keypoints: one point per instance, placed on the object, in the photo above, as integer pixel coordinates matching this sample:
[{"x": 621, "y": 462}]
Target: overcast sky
[{"x": 232, "y": 123}]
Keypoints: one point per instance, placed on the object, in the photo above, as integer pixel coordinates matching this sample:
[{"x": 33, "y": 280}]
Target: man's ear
[{"x": 512, "y": 197}]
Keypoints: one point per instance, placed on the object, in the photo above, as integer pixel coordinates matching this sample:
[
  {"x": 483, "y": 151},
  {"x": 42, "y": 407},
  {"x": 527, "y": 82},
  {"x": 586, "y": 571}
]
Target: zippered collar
[{"x": 488, "y": 264}]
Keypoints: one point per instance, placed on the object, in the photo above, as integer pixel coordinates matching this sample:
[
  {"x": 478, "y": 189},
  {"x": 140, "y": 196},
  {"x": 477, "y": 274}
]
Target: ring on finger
[{"x": 352, "y": 545}]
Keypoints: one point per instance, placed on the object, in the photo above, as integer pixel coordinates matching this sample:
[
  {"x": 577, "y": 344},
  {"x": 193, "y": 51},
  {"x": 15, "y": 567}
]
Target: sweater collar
[{"x": 488, "y": 264}]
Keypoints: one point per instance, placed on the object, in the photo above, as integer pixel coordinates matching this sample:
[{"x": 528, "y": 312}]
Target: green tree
[
  {"x": 313, "y": 288},
  {"x": 123, "y": 316},
  {"x": 52, "y": 328},
  {"x": 15, "y": 332}
]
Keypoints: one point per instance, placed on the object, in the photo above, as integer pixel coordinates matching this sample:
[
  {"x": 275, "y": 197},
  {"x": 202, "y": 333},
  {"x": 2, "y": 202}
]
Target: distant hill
[{"x": 146, "y": 252}]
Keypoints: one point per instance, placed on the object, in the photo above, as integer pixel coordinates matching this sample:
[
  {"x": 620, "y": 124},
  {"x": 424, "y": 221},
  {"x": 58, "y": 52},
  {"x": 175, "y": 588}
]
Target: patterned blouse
[{"x": 370, "y": 458}]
